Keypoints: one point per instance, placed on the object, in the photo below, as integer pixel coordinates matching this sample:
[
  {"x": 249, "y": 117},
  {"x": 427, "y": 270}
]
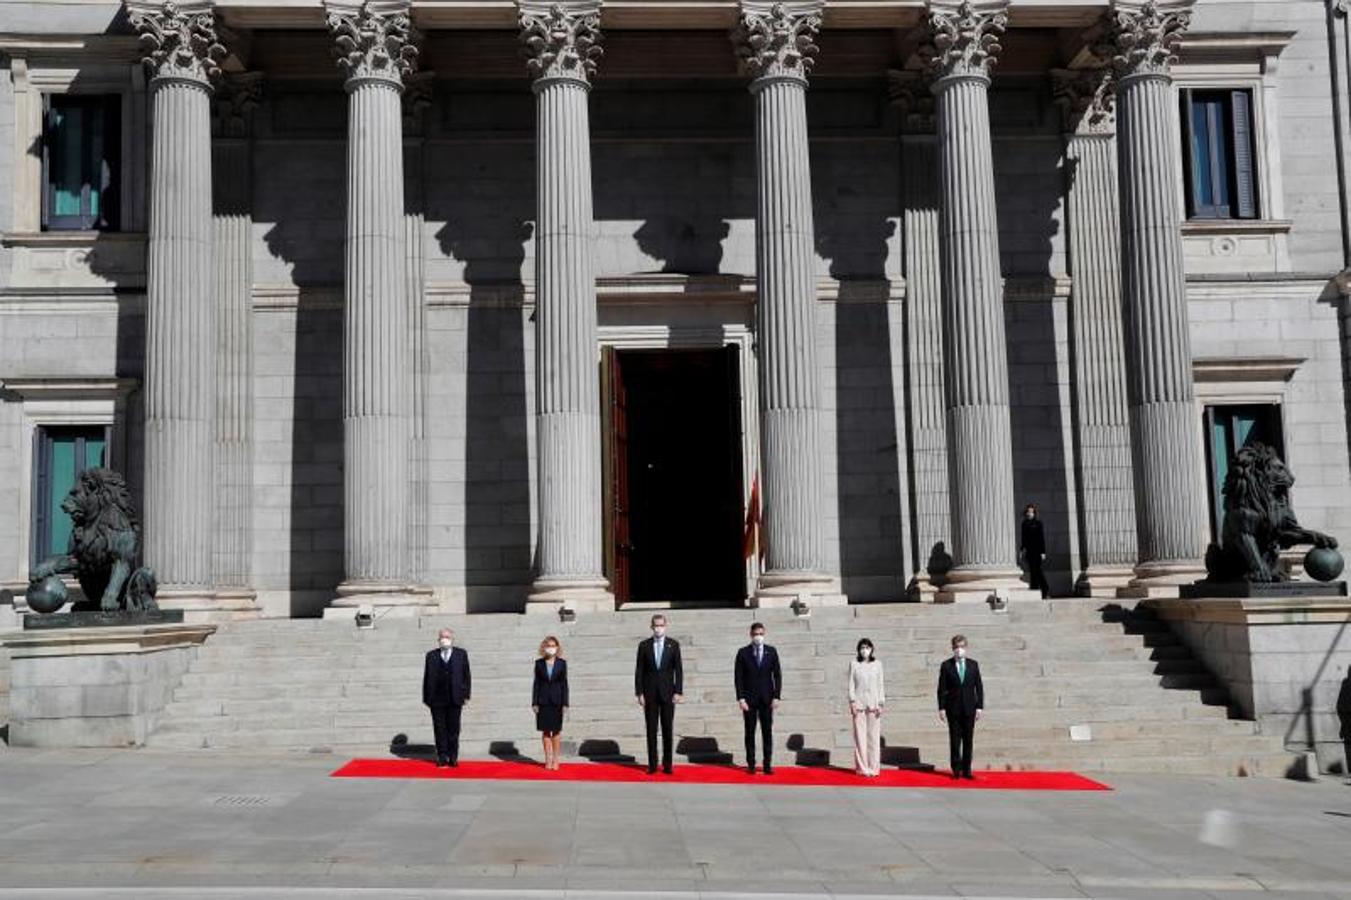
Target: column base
[
  {"x": 400, "y": 601},
  {"x": 210, "y": 606},
  {"x": 554, "y": 594},
  {"x": 981, "y": 584},
  {"x": 780, "y": 590},
  {"x": 1161, "y": 579},
  {"x": 1103, "y": 581},
  {"x": 923, "y": 588}
]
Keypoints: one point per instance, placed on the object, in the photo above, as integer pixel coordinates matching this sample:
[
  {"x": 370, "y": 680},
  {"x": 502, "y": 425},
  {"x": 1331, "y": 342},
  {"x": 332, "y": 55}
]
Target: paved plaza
[{"x": 144, "y": 824}]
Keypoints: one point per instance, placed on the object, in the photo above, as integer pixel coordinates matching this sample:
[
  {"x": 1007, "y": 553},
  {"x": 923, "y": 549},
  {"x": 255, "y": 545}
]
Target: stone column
[
  {"x": 914, "y": 100},
  {"x": 1170, "y": 493},
  {"x": 232, "y": 201},
  {"x": 560, "y": 41},
  {"x": 181, "y": 55},
  {"x": 1101, "y": 422},
  {"x": 775, "y": 45},
  {"x": 964, "y": 43},
  {"x": 417, "y": 97},
  {"x": 374, "y": 48}
]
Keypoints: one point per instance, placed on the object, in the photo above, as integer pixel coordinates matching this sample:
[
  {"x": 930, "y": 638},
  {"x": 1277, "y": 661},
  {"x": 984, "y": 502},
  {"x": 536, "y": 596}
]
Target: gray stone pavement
[{"x": 79, "y": 824}]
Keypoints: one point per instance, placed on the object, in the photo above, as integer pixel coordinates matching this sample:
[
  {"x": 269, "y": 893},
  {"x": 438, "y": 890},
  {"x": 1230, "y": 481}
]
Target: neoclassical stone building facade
[{"x": 468, "y": 306}]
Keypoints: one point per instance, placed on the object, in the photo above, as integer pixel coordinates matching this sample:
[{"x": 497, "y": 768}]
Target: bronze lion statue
[
  {"x": 1258, "y": 520},
  {"x": 104, "y": 543}
]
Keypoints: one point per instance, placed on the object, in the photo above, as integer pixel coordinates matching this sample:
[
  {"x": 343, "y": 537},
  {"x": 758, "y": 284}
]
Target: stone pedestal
[
  {"x": 561, "y": 46},
  {"x": 95, "y": 687},
  {"x": 1284, "y": 660}
]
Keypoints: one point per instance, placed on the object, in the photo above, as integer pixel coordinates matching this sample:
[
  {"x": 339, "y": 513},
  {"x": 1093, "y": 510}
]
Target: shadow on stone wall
[{"x": 497, "y": 536}]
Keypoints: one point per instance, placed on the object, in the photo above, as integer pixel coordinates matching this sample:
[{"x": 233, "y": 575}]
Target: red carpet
[{"x": 800, "y": 776}]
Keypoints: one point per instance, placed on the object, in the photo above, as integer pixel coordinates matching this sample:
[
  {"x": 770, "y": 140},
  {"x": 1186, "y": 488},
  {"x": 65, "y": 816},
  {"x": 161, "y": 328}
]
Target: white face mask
[
  {"x": 550, "y": 651},
  {"x": 865, "y": 652},
  {"x": 758, "y": 640},
  {"x": 446, "y": 643},
  {"x": 658, "y": 630},
  {"x": 959, "y": 652}
]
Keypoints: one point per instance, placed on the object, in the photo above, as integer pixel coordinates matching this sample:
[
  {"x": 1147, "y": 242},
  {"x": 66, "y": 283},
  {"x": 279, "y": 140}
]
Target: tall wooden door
[{"x": 616, "y": 463}]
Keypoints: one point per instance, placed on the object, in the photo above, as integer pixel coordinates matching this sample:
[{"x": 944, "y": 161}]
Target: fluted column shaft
[
  {"x": 1170, "y": 497},
  {"x": 560, "y": 41},
  {"x": 975, "y": 370},
  {"x": 180, "y": 377},
  {"x": 234, "y": 363},
  {"x": 790, "y": 426},
  {"x": 1101, "y": 421},
  {"x": 1170, "y": 500},
  {"x": 567, "y": 387},
  {"x": 377, "y": 351},
  {"x": 775, "y": 44},
  {"x": 924, "y": 351}
]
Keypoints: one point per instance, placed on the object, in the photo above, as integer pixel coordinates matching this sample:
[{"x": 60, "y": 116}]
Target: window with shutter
[
  {"x": 80, "y": 160},
  {"x": 60, "y": 454},
  {"x": 1221, "y": 171}
]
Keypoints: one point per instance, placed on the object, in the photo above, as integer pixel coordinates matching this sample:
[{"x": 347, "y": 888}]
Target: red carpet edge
[{"x": 690, "y": 773}]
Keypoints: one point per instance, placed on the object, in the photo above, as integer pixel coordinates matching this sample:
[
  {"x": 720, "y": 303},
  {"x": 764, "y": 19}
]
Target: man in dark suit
[
  {"x": 445, "y": 690},
  {"x": 658, "y": 682},
  {"x": 961, "y": 699},
  {"x": 758, "y": 684}
]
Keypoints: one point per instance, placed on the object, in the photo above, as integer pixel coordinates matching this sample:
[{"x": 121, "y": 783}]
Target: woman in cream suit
[{"x": 867, "y": 696}]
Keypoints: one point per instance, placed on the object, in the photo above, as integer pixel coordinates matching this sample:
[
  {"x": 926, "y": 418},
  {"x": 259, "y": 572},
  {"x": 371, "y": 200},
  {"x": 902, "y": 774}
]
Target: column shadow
[{"x": 490, "y": 241}]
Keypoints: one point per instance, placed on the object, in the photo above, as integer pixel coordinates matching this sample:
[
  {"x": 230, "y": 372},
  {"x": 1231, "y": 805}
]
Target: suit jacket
[
  {"x": 757, "y": 685},
  {"x": 652, "y": 684},
  {"x": 550, "y": 691},
  {"x": 956, "y": 697},
  {"x": 445, "y": 684}
]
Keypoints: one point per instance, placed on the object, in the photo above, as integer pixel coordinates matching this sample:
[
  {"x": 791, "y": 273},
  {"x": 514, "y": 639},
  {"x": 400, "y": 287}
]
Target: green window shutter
[{"x": 1245, "y": 176}]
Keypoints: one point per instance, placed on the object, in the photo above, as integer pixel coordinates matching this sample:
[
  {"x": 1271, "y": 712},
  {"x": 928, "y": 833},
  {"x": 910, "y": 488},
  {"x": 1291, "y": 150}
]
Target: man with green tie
[{"x": 961, "y": 698}]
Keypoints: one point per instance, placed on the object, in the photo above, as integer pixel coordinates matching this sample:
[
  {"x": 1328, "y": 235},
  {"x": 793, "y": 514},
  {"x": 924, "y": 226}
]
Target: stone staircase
[{"x": 1149, "y": 706}]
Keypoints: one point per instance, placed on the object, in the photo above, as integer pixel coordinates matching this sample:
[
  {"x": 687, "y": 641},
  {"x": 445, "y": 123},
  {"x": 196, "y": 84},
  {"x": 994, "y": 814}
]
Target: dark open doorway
[{"x": 673, "y": 467}]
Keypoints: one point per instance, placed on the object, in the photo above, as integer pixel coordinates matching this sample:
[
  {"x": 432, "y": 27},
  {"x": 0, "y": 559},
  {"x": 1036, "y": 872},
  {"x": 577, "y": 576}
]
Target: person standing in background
[
  {"x": 658, "y": 682},
  {"x": 961, "y": 702},
  {"x": 867, "y": 697},
  {"x": 549, "y": 697},
  {"x": 758, "y": 682},
  {"x": 1032, "y": 546},
  {"x": 445, "y": 691}
]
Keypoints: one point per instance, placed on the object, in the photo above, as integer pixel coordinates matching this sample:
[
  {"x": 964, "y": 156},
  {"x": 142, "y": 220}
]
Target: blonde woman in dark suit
[{"x": 549, "y": 697}]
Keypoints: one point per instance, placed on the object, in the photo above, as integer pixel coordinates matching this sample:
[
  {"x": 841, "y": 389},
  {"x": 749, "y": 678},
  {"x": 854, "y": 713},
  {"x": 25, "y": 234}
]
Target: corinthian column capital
[
  {"x": 963, "y": 39},
  {"x": 912, "y": 95},
  {"x": 1144, "y": 35},
  {"x": 561, "y": 39},
  {"x": 1087, "y": 100},
  {"x": 373, "y": 40},
  {"x": 178, "y": 42},
  {"x": 778, "y": 40}
]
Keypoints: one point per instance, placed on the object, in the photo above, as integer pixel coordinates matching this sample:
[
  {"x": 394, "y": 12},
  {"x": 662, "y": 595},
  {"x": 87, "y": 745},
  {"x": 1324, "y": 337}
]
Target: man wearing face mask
[
  {"x": 445, "y": 690},
  {"x": 658, "y": 682},
  {"x": 961, "y": 700},
  {"x": 758, "y": 684}
]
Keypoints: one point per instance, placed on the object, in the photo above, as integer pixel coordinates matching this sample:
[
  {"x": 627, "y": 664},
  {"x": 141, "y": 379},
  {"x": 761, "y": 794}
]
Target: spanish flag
[{"x": 751, "y": 538}]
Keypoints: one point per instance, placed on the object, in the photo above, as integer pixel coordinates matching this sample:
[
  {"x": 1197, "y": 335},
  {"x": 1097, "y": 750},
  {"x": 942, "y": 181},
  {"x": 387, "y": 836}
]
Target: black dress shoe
[
  {"x": 768, "y": 769},
  {"x": 750, "y": 768},
  {"x": 968, "y": 776},
  {"x": 955, "y": 775},
  {"x": 452, "y": 763},
  {"x": 652, "y": 770},
  {"x": 667, "y": 769},
  {"x": 441, "y": 763}
]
